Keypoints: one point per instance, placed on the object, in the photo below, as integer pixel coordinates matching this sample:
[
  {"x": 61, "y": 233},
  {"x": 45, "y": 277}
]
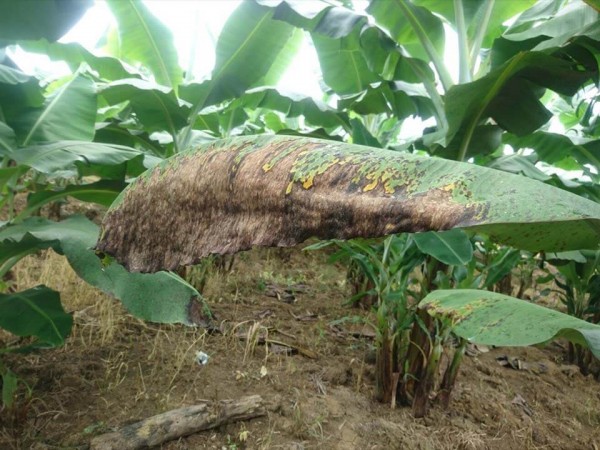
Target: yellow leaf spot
[
  {"x": 289, "y": 188},
  {"x": 449, "y": 187},
  {"x": 267, "y": 167},
  {"x": 370, "y": 186},
  {"x": 308, "y": 183},
  {"x": 388, "y": 189}
]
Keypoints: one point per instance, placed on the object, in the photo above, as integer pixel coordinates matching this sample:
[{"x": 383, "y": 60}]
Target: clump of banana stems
[{"x": 410, "y": 345}]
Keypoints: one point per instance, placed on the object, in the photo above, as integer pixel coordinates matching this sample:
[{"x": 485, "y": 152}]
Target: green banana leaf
[
  {"x": 344, "y": 67},
  {"x": 451, "y": 247},
  {"x": 161, "y": 297},
  {"x": 144, "y": 39},
  {"x": 64, "y": 155},
  {"x": 18, "y": 93},
  {"x": 35, "y": 312},
  {"x": 558, "y": 149},
  {"x": 156, "y": 107},
  {"x": 547, "y": 23},
  {"x": 409, "y": 24},
  {"x": 519, "y": 164},
  {"x": 474, "y": 12},
  {"x": 317, "y": 17},
  {"x": 250, "y": 44},
  {"x": 484, "y": 317},
  {"x": 507, "y": 94},
  {"x": 74, "y": 54},
  {"x": 102, "y": 192},
  {"x": 37, "y": 19},
  {"x": 68, "y": 113},
  {"x": 8, "y": 139}
]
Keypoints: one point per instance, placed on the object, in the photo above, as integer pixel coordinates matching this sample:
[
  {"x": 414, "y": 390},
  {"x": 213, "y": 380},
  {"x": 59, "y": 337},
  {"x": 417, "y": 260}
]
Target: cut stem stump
[{"x": 180, "y": 422}]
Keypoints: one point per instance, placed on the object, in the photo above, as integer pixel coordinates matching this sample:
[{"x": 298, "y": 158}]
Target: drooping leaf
[
  {"x": 156, "y": 107},
  {"x": 279, "y": 191},
  {"x": 74, "y": 54},
  {"x": 13, "y": 251},
  {"x": 379, "y": 51},
  {"x": 11, "y": 76},
  {"x": 558, "y": 149},
  {"x": 63, "y": 155},
  {"x": 8, "y": 175},
  {"x": 102, "y": 192},
  {"x": 501, "y": 12},
  {"x": 519, "y": 164},
  {"x": 396, "y": 99},
  {"x": 395, "y": 17},
  {"x": 318, "y": 17},
  {"x": 160, "y": 297},
  {"x": 115, "y": 132},
  {"x": 361, "y": 135},
  {"x": 69, "y": 113},
  {"x": 344, "y": 67},
  {"x": 292, "y": 105},
  {"x": 451, "y": 247},
  {"x": 509, "y": 94},
  {"x": 485, "y": 140},
  {"x": 501, "y": 266},
  {"x": 18, "y": 92},
  {"x": 504, "y": 49},
  {"x": 489, "y": 318},
  {"x": 416, "y": 29},
  {"x": 36, "y": 312},
  {"x": 37, "y": 19},
  {"x": 589, "y": 189},
  {"x": 8, "y": 140},
  {"x": 572, "y": 18},
  {"x": 144, "y": 39}
]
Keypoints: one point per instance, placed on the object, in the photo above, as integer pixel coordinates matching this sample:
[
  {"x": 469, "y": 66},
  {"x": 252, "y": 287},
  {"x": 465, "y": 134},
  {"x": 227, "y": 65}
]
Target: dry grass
[
  {"x": 101, "y": 322},
  {"x": 97, "y": 316},
  {"x": 116, "y": 369}
]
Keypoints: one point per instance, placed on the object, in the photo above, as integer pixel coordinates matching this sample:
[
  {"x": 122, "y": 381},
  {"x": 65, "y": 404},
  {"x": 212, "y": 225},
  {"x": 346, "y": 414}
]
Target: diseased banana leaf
[
  {"x": 230, "y": 195},
  {"x": 489, "y": 318}
]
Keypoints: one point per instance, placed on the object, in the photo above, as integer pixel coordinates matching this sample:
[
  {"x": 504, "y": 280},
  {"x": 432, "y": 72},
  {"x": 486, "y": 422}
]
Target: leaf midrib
[
  {"x": 35, "y": 308},
  {"x": 48, "y": 109},
  {"x": 241, "y": 47},
  {"x": 492, "y": 92},
  {"x": 153, "y": 45},
  {"x": 449, "y": 247}
]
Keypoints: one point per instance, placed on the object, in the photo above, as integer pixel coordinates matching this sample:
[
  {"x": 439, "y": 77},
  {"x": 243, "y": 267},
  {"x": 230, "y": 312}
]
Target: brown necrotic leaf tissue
[{"x": 234, "y": 194}]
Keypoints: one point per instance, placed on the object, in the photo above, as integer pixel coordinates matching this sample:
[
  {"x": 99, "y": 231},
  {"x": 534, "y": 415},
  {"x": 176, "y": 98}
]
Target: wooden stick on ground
[{"x": 180, "y": 422}]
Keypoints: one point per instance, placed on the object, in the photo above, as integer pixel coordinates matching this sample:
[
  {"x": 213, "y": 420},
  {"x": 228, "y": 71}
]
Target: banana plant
[
  {"x": 578, "y": 283},
  {"x": 483, "y": 317},
  {"x": 233, "y": 194}
]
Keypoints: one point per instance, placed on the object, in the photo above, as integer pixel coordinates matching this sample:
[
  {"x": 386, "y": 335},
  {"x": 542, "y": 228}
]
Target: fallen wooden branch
[{"x": 180, "y": 422}]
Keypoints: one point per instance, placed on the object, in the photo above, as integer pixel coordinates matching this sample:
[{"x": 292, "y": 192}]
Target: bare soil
[{"x": 116, "y": 370}]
